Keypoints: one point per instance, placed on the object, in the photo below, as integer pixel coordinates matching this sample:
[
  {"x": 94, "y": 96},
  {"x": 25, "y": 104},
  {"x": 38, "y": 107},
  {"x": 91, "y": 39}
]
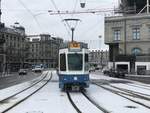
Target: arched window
[{"x": 136, "y": 51}]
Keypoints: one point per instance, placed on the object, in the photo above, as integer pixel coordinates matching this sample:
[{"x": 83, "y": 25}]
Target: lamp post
[
  {"x": 82, "y": 3},
  {"x": 100, "y": 36},
  {"x": 100, "y": 52}
]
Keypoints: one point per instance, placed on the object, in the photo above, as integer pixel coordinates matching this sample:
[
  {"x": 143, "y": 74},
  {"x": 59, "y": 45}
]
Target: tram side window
[
  {"x": 62, "y": 62},
  {"x": 86, "y": 58},
  {"x": 86, "y": 62}
]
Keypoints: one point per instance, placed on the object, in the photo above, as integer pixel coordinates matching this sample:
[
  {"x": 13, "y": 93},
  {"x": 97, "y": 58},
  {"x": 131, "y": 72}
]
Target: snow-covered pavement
[{"x": 50, "y": 99}]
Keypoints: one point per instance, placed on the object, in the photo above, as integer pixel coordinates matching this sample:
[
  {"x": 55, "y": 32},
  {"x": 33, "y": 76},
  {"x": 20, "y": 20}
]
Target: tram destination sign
[{"x": 74, "y": 46}]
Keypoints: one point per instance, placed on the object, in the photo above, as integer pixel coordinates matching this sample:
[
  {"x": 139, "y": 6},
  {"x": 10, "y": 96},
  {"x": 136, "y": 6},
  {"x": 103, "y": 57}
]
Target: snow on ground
[
  {"x": 132, "y": 88},
  {"x": 100, "y": 76},
  {"x": 21, "y": 96},
  {"x": 145, "y": 102},
  {"x": 82, "y": 103},
  {"x": 140, "y": 86},
  {"x": 130, "y": 84},
  {"x": 51, "y": 99},
  {"x": 48, "y": 100},
  {"x": 113, "y": 102},
  {"x": 16, "y": 88}
]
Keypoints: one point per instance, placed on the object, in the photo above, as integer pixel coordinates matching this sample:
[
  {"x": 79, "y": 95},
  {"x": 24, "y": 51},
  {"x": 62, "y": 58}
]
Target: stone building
[
  {"x": 44, "y": 50},
  {"x": 128, "y": 37},
  {"x": 99, "y": 58},
  {"x": 13, "y": 49}
]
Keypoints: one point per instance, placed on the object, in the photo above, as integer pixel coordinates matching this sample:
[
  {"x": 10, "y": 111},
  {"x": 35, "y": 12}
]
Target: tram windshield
[{"x": 75, "y": 62}]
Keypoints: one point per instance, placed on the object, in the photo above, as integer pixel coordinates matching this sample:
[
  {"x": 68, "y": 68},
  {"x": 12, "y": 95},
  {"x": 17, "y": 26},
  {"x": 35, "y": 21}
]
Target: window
[
  {"x": 117, "y": 35},
  {"x": 136, "y": 51},
  {"x": 149, "y": 51},
  {"x": 62, "y": 62},
  {"x": 120, "y": 51},
  {"x": 136, "y": 33},
  {"x": 149, "y": 30},
  {"x": 75, "y": 62}
]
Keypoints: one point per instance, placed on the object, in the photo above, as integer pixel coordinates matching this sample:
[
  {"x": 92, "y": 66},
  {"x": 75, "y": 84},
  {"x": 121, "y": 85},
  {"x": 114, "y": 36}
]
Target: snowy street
[{"x": 113, "y": 95}]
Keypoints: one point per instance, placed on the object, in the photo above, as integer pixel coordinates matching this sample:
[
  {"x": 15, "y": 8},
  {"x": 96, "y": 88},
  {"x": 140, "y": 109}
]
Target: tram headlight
[{"x": 75, "y": 78}]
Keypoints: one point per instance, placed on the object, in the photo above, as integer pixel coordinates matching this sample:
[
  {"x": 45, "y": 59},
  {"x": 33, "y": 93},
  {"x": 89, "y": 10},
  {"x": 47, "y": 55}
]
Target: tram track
[
  {"x": 127, "y": 95},
  {"x": 138, "y": 86},
  {"x": 94, "y": 103},
  {"x": 10, "y": 105},
  {"x": 72, "y": 103},
  {"x": 7, "y": 98},
  {"x": 137, "y": 94},
  {"x": 102, "y": 109}
]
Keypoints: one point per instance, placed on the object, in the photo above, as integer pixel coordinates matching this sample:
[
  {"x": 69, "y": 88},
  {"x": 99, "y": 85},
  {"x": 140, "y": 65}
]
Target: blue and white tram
[{"x": 73, "y": 66}]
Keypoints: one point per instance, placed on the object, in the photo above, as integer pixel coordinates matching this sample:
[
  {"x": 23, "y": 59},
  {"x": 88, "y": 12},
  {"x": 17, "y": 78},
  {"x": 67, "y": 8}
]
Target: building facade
[
  {"x": 99, "y": 58},
  {"x": 13, "y": 49},
  {"x": 128, "y": 37},
  {"x": 44, "y": 51}
]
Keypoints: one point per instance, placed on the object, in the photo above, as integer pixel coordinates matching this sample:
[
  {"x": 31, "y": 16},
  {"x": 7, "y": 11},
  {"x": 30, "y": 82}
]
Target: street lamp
[
  {"x": 82, "y": 3},
  {"x": 100, "y": 36}
]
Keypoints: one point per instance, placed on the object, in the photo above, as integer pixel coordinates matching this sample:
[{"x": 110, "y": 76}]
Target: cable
[
  {"x": 29, "y": 11},
  {"x": 65, "y": 24},
  {"x": 74, "y": 9}
]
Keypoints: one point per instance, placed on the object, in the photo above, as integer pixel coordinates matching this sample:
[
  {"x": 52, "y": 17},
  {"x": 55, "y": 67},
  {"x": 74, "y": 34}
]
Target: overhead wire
[
  {"x": 75, "y": 6},
  {"x": 64, "y": 22},
  {"x": 74, "y": 9},
  {"x": 30, "y": 12}
]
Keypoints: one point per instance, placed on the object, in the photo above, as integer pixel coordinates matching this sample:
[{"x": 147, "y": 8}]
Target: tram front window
[{"x": 75, "y": 62}]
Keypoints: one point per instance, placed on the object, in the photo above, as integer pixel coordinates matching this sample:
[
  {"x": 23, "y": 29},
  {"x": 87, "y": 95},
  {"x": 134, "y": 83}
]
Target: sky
[{"x": 34, "y": 16}]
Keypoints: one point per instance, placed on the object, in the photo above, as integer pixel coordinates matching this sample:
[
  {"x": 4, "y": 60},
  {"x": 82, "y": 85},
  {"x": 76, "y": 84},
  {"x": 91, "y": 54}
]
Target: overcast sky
[{"x": 33, "y": 15}]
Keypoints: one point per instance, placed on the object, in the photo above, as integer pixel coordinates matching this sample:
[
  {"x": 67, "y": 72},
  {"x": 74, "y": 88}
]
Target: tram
[{"x": 73, "y": 66}]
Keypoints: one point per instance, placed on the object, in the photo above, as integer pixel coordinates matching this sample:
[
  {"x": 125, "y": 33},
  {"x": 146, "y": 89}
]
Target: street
[
  {"x": 14, "y": 79},
  {"x": 104, "y": 94}
]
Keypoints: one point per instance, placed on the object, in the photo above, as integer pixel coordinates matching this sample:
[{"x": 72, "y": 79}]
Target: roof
[{"x": 11, "y": 31}]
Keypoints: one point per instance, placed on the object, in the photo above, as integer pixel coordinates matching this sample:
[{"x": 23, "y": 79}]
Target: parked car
[
  {"x": 22, "y": 72},
  {"x": 91, "y": 69},
  {"x": 117, "y": 73},
  {"x": 105, "y": 71}
]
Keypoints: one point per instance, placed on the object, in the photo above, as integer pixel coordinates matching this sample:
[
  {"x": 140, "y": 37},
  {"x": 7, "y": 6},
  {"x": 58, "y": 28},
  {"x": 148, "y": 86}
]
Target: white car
[{"x": 37, "y": 69}]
